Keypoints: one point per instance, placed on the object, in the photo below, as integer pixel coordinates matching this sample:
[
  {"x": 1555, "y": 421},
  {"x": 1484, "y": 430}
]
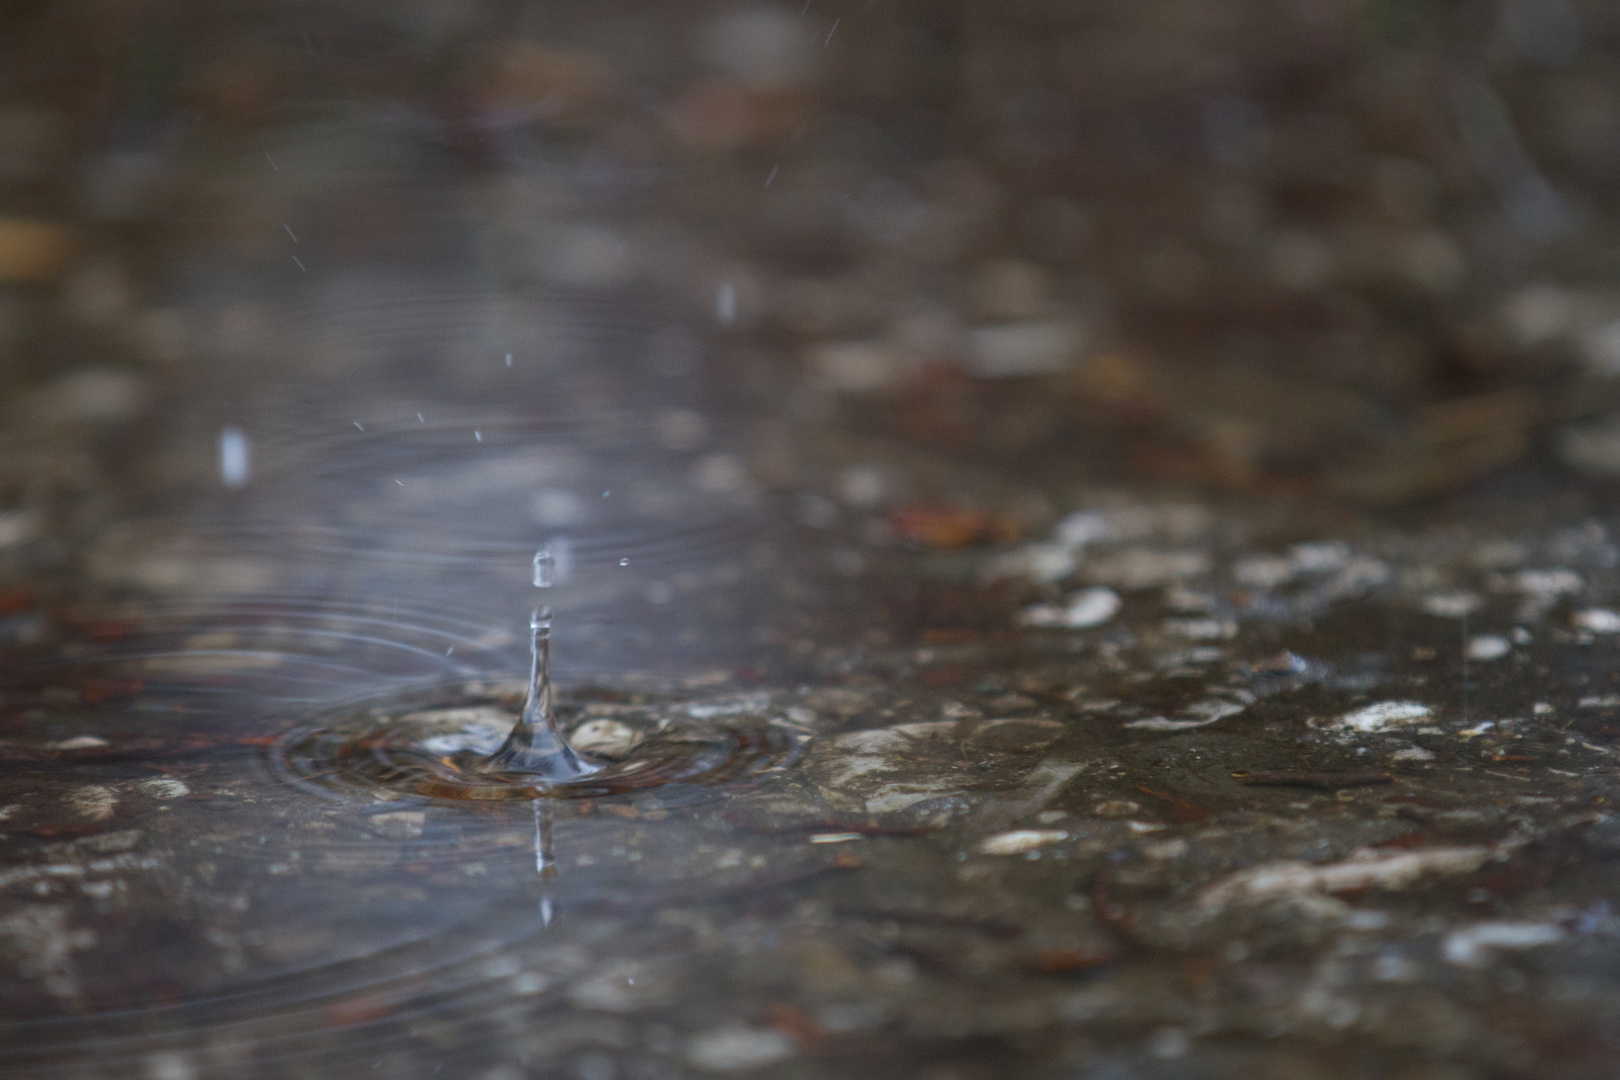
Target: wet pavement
[{"x": 1099, "y": 519}]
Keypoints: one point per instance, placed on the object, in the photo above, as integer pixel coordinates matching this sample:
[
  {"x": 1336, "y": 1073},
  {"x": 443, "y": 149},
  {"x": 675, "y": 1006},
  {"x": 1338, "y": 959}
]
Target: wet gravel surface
[{"x": 1142, "y": 471}]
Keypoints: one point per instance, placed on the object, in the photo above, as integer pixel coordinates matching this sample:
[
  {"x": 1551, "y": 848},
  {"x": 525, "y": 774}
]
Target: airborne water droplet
[
  {"x": 624, "y": 562},
  {"x": 545, "y": 569}
]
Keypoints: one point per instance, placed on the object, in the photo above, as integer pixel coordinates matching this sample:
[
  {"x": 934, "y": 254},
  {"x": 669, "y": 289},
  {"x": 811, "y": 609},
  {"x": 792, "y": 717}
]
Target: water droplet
[
  {"x": 624, "y": 562},
  {"x": 725, "y": 304},
  {"x": 479, "y": 435},
  {"x": 545, "y": 569},
  {"x": 234, "y": 457},
  {"x": 508, "y": 359}
]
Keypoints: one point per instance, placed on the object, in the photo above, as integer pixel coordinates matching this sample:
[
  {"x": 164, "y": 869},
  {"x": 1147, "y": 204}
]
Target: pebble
[
  {"x": 1450, "y": 605},
  {"x": 1263, "y": 571},
  {"x": 624, "y": 986},
  {"x": 1019, "y": 841},
  {"x": 78, "y": 742},
  {"x": 1201, "y": 629},
  {"x": 1471, "y": 945},
  {"x": 736, "y": 1048},
  {"x": 1383, "y": 716},
  {"x": 606, "y": 738},
  {"x": 1084, "y": 609},
  {"x": 1043, "y": 563},
  {"x": 93, "y": 801},
  {"x": 1022, "y": 349},
  {"x": 1596, "y": 621},
  {"x": 1488, "y": 647},
  {"x": 1364, "y": 870},
  {"x": 164, "y": 788},
  {"x": 1140, "y": 569}
]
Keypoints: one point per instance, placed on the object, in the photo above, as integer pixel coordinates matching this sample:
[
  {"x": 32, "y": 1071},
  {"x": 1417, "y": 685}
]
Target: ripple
[{"x": 437, "y": 747}]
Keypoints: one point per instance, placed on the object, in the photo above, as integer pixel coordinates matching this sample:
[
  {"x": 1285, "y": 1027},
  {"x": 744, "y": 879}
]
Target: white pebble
[
  {"x": 1086, "y": 608},
  {"x": 1020, "y": 840},
  {"x": 164, "y": 788},
  {"x": 1263, "y": 571},
  {"x": 1383, "y": 716},
  {"x": 1597, "y": 621},
  {"x": 1450, "y": 605},
  {"x": 733, "y": 1049},
  {"x": 1468, "y": 947},
  {"x": 1488, "y": 647}
]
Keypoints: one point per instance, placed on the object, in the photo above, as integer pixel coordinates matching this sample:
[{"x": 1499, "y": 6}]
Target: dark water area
[{"x": 1079, "y": 541}]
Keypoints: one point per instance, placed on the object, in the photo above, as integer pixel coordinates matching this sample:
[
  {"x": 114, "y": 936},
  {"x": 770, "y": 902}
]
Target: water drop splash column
[{"x": 536, "y": 747}]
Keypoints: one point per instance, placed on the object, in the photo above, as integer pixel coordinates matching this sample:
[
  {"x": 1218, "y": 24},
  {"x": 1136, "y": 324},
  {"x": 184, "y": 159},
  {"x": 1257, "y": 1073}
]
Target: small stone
[
  {"x": 78, "y": 742},
  {"x": 625, "y": 986},
  {"x": 1596, "y": 621},
  {"x": 1201, "y": 629},
  {"x": 1263, "y": 571},
  {"x": 604, "y": 738},
  {"x": 736, "y": 1048},
  {"x": 1019, "y": 841},
  {"x": 1043, "y": 563},
  {"x": 164, "y": 788},
  {"x": 1384, "y": 716},
  {"x": 1470, "y": 946},
  {"x": 169, "y": 1065},
  {"x": 400, "y": 824},
  {"x": 1319, "y": 557},
  {"x": 1084, "y": 609},
  {"x": 1488, "y": 647},
  {"x": 1026, "y": 348},
  {"x": 1142, "y": 569},
  {"x": 93, "y": 801},
  {"x": 1450, "y": 605}
]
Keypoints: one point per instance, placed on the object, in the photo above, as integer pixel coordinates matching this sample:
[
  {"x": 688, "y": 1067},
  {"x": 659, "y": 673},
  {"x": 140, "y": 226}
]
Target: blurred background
[{"x": 1341, "y": 249}]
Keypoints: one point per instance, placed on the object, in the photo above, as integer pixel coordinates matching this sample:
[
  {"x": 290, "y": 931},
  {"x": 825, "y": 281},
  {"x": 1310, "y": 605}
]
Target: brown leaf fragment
[{"x": 1182, "y": 812}]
